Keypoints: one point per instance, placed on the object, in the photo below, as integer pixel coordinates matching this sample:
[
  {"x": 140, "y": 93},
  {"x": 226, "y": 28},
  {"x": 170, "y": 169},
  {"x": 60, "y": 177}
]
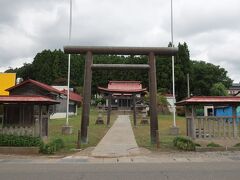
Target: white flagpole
[
  {"x": 173, "y": 73},
  {"x": 69, "y": 63}
]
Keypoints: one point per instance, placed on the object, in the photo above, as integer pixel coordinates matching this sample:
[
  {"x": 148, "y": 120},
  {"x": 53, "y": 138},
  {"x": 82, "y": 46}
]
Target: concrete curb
[{"x": 19, "y": 150}]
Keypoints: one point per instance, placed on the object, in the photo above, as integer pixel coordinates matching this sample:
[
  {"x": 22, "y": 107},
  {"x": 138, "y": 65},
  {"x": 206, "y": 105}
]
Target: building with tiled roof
[
  {"x": 30, "y": 104},
  {"x": 122, "y": 93},
  {"x": 234, "y": 89}
]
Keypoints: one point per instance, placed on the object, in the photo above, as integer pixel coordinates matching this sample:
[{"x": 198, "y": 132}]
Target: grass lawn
[
  {"x": 142, "y": 132},
  {"x": 95, "y": 132}
]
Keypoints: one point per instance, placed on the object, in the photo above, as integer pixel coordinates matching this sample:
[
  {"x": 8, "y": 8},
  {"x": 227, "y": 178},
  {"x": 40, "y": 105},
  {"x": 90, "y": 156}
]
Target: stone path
[{"x": 119, "y": 140}]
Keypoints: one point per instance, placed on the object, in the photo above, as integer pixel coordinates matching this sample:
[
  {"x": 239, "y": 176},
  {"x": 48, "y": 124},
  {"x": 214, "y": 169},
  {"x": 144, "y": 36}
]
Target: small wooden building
[
  {"x": 199, "y": 126},
  {"x": 122, "y": 93},
  {"x": 25, "y": 115},
  {"x": 26, "y": 110}
]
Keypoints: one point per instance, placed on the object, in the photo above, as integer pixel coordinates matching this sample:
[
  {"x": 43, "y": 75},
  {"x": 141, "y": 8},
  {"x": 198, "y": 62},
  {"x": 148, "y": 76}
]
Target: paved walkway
[{"x": 119, "y": 140}]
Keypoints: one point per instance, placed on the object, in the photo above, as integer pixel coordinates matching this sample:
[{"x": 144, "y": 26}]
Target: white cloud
[{"x": 210, "y": 27}]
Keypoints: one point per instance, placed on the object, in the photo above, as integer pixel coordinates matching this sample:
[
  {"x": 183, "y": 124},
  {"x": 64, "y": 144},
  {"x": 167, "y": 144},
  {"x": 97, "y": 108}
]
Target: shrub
[
  {"x": 183, "y": 143},
  {"x": 212, "y": 144},
  {"x": 197, "y": 145},
  {"x": 23, "y": 141},
  {"x": 59, "y": 143},
  {"x": 180, "y": 110},
  {"x": 47, "y": 148},
  {"x": 52, "y": 147},
  {"x": 237, "y": 145}
]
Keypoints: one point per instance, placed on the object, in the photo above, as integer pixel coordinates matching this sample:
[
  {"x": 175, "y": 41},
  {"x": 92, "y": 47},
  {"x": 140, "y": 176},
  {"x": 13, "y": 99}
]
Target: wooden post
[
  {"x": 86, "y": 97},
  {"x": 109, "y": 109},
  {"x": 40, "y": 120},
  {"x": 213, "y": 127},
  {"x": 79, "y": 140},
  {"x": 193, "y": 126},
  {"x": 219, "y": 130},
  {"x": 153, "y": 98},
  {"x": 224, "y": 128},
  {"x": 187, "y": 115},
  {"x": 199, "y": 128},
  {"x": 47, "y": 120},
  {"x": 234, "y": 119},
  {"x": 204, "y": 127},
  {"x": 134, "y": 110}
]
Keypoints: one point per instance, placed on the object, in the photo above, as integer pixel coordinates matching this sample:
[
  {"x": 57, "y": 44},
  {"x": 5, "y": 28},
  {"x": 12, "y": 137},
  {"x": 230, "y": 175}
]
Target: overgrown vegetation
[
  {"x": 183, "y": 143},
  {"x": 212, "y": 144},
  {"x": 52, "y": 147},
  {"x": 20, "y": 141},
  {"x": 237, "y": 145}
]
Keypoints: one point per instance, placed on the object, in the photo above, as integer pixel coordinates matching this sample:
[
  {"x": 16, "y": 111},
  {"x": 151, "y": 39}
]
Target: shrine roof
[
  {"x": 27, "y": 99},
  {"x": 207, "y": 100},
  {"x": 73, "y": 96},
  {"x": 37, "y": 83},
  {"x": 123, "y": 87}
]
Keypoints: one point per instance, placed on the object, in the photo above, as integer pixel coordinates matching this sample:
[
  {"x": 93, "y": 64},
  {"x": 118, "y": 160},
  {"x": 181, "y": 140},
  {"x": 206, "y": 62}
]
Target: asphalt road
[{"x": 129, "y": 171}]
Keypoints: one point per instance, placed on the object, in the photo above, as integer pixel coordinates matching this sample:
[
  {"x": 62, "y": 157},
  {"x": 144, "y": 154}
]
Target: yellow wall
[{"x": 7, "y": 80}]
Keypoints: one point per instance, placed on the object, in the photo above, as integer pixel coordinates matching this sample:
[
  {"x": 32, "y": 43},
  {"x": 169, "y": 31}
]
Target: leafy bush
[
  {"x": 183, "y": 143},
  {"x": 197, "y": 145},
  {"x": 212, "y": 144},
  {"x": 52, "y": 147},
  {"x": 237, "y": 145},
  {"x": 23, "y": 141},
  {"x": 99, "y": 101}
]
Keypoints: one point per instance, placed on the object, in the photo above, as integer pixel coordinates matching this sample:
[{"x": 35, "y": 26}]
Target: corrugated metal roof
[
  {"x": 210, "y": 100},
  {"x": 27, "y": 99}
]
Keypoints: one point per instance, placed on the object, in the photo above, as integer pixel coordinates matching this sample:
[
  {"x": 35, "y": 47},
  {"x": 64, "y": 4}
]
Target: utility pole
[
  {"x": 174, "y": 129},
  {"x": 188, "y": 86},
  {"x": 68, "y": 129},
  {"x": 173, "y": 70}
]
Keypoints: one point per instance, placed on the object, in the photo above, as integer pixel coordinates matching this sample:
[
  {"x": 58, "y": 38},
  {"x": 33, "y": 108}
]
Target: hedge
[{"x": 23, "y": 141}]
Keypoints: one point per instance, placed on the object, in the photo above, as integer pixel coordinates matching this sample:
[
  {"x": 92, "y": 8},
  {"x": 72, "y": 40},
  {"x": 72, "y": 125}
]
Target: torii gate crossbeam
[{"x": 151, "y": 52}]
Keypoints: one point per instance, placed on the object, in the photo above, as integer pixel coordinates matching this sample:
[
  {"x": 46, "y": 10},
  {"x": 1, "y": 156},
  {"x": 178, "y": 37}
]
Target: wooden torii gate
[{"x": 151, "y": 52}]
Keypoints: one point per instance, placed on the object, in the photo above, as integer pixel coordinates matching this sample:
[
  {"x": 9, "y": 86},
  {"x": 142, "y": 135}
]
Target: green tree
[
  {"x": 218, "y": 89},
  {"x": 162, "y": 104},
  {"x": 51, "y": 67},
  {"x": 204, "y": 75},
  {"x": 182, "y": 68}
]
